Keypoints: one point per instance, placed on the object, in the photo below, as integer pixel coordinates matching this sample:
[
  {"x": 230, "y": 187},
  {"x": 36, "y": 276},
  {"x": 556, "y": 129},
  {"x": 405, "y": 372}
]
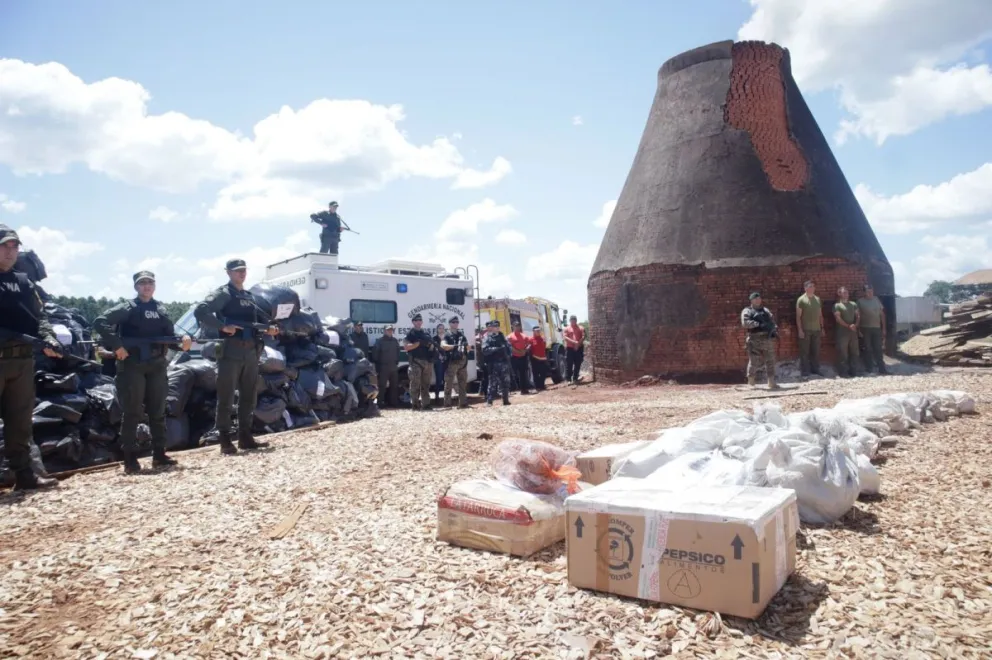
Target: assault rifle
[
  {"x": 10, "y": 335},
  {"x": 766, "y": 323},
  {"x": 144, "y": 344},
  {"x": 248, "y": 331}
]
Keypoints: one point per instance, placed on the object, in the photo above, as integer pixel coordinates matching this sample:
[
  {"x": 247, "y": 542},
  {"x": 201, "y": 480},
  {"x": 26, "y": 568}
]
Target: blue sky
[{"x": 518, "y": 123}]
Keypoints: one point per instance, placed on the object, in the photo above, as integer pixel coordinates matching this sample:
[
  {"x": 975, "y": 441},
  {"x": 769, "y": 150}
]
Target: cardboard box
[
  {"x": 726, "y": 549},
  {"x": 597, "y": 464},
  {"x": 488, "y": 515}
]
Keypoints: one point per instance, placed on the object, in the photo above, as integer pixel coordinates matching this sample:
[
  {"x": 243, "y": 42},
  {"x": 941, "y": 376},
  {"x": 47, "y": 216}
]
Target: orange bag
[{"x": 536, "y": 467}]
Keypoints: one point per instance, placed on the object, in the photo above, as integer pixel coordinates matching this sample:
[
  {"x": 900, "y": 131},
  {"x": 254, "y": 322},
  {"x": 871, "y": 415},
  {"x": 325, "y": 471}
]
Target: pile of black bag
[{"x": 308, "y": 374}]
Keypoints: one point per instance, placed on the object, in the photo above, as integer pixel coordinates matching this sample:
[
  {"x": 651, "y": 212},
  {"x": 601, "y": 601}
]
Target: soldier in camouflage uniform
[
  {"x": 237, "y": 354},
  {"x": 142, "y": 373},
  {"x": 21, "y": 313},
  {"x": 496, "y": 352},
  {"x": 420, "y": 348},
  {"x": 455, "y": 347},
  {"x": 760, "y": 343}
]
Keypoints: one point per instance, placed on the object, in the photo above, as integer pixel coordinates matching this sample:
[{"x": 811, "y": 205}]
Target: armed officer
[
  {"x": 496, "y": 352},
  {"x": 225, "y": 310},
  {"x": 330, "y": 234},
  {"x": 142, "y": 373},
  {"x": 21, "y": 313},
  {"x": 760, "y": 342},
  {"x": 419, "y": 345},
  {"x": 455, "y": 347}
]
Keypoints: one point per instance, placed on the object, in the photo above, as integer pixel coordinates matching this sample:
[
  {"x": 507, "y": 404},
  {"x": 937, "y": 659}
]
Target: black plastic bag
[
  {"x": 29, "y": 263},
  {"x": 77, "y": 402},
  {"x": 302, "y": 420},
  {"x": 271, "y": 361},
  {"x": 292, "y": 373},
  {"x": 181, "y": 382},
  {"x": 297, "y": 398},
  {"x": 209, "y": 351},
  {"x": 90, "y": 379},
  {"x": 270, "y": 296},
  {"x": 46, "y": 426},
  {"x": 272, "y": 383},
  {"x": 48, "y": 383},
  {"x": 334, "y": 370},
  {"x": 315, "y": 382},
  {"x": 269, "y": 409},
  {"x": 104, "y": 398},
  {"x": 205, "y": 372},
  {"x": 302, "y": 354},
  {"x": 54, "y": 410},
  {"x": 177, "y": 432}
]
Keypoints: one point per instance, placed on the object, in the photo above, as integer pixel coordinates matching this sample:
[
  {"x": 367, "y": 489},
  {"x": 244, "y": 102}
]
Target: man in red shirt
[
  {"x": 539, "y": 359},
  {"x": 519, "y": 345},
  {"x": 574, "y": 349}
]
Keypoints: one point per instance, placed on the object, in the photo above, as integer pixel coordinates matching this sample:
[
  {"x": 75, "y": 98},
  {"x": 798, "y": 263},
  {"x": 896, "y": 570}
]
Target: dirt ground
[{"x": 179, "y": 564}]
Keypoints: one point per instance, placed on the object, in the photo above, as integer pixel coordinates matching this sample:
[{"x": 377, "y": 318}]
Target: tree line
[{"x": 90, "y": 307}]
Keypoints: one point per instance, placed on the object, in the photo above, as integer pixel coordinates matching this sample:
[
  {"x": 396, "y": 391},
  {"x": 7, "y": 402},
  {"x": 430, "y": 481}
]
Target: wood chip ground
[{"x": 180, "y": 564}]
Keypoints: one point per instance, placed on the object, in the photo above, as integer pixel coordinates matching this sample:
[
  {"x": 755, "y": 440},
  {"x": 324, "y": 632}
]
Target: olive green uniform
[
  {"x": 871, "y": 328},
  {"x": 846, "y": 340},
  {"x": 142, "y": 378},
  {"x": 809, "y": 344},
  {"x": 21, "y": 312},
  {"x": 237, "y": 355}
]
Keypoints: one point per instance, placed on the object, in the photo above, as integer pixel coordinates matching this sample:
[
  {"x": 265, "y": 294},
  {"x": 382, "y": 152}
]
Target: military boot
[
  {"x": 26, "y": 479},
  {"x": 226, "y": 446},
  {"x": 506, "y": 399},
  {"x": 161, "y": 460},
  {"x": 131, "y": 464},
  {"x": 752, "y": 380},
  {"x": 247, "y": 441},
  {"x": 772, "y": 385}
]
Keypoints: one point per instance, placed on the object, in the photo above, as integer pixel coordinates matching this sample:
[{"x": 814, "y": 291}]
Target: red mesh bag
[{"x": 536, "y": 467}]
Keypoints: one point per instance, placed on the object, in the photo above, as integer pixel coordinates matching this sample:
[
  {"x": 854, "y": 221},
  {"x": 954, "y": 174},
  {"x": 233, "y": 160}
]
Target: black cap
[
  {"x": 454, "y": 319},
  {"x": 868, "y": 287},
  {"x": 492, "y": 324},
  {"x": 143, "y": 275},
  {"x": 236, "y": 264},
  {"x": 7, "y": 234},
  {"x": 359, "y": 324},
  {"x": 754, "y": 295},
  {"x": 333, "y": 204},
  {"x": 418, "y": 317}
]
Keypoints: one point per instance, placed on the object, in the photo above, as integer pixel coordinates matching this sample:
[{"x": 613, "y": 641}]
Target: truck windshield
[{"x": 187, "y": 323}]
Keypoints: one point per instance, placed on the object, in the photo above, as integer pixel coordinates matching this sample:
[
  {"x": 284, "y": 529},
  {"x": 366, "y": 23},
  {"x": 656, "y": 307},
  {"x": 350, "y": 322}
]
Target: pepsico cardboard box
[
  {"x": 597, "y": 464},
  {"x": 726, "y": 549}
]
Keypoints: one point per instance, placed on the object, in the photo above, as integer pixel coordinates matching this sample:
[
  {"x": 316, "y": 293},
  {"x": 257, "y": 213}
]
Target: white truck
[{"x": 390, "y": 292}]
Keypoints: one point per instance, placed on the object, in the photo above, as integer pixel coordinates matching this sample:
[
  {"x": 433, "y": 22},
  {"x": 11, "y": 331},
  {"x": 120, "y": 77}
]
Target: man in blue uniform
[{"x": 496, "y": 353}]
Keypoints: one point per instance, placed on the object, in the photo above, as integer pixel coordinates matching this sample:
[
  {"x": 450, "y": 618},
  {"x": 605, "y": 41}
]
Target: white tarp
[{"x": 823, "y": 454}]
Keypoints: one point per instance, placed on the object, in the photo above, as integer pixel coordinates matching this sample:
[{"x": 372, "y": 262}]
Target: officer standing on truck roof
[
  {"x": 142, "y": 375},
  {"x": 330, "y": 234},
  {"x": 21, "y": 313},
  {"x": 237, "y": 354}
]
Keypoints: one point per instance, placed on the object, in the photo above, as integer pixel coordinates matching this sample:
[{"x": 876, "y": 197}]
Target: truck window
[
  {"x": 373, "y": 311},
  {"x": 514, "y": 319},
  {"x": 455, "y": 296}
]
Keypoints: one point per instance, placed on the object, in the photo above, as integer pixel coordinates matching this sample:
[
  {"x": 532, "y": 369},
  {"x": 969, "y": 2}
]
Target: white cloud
[
  {"x": 162, "y": 214},
  {"x": 604, "y": 216},
  {"x": 11, "y": 206},
  {"x": 946, "y": 257},
  {"x": 465, "y": 222},
  {"x": 511, "y": 237},
  {"x": 60, "y": 253},
  {"x": 568, "y": 261},
  {"x": 577, "y": 120},
  {"x": 897, "y": 63},
  {"x": 51, "y": 119},
  {"x": 966, "y": 196}
]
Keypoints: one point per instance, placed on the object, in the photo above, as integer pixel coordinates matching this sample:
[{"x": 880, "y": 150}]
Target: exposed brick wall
[
  {"x": 756, "y": 104},
  {"x": 684, "y": 321}
]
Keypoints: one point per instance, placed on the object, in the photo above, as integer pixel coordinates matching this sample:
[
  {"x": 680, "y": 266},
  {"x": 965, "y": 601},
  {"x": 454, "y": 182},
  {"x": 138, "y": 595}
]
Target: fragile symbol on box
[{"x": 616, "y": 549}]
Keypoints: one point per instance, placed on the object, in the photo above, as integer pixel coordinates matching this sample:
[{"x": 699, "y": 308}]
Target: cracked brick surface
[{"x": 756, "y": 104}]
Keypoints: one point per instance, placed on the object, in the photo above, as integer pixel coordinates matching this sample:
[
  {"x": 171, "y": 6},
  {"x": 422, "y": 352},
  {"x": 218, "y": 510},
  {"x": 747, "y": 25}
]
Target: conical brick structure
[{"x": 733, "y": 189}]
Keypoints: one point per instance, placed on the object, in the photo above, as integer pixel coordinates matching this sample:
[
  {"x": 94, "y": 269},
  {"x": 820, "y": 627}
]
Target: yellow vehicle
[{"x": 531, "y": 313}]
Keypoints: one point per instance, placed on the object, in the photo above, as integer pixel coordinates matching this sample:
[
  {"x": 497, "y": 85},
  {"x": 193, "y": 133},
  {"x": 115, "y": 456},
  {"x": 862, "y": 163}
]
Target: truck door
[{"x": 514, "y": 319}]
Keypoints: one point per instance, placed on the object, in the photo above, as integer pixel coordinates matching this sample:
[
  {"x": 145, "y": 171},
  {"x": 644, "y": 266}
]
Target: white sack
[
  {"x": 823, "y": 473},
  {"x": 699, "y": 469},
  {"x": 871, "y": 482}
]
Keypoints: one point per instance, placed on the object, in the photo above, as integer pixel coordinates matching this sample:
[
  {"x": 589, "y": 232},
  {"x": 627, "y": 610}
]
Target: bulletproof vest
[
  {"x": 15, "y": 304},
  {"x": 241, "y": 306},
  {"x": 454, "y": 339},
  {"x": 422, "y": 352},
  {"x": 146, "y": 319}
]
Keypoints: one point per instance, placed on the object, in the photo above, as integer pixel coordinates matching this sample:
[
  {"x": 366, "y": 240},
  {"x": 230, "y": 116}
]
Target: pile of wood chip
[
  {"x": 195, "y": 563},
  {"x": 965, "y": 340}
]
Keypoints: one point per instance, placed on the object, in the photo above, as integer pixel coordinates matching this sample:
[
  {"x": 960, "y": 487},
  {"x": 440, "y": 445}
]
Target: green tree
[
  {"x": 90, "y": 308},
  {"x": 940, "y": 290}
]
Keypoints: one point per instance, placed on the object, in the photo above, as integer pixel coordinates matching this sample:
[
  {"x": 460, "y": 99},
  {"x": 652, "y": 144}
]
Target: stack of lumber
[{"x": 965, "y": 340}]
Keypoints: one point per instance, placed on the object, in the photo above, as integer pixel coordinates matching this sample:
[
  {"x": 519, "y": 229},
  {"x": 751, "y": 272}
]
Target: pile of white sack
[{"x": 823, "y": 454}]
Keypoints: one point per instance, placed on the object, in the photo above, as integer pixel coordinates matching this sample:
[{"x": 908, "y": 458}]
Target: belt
[
  {"x": 242, "y": 342},
  {"x": 16, "y": 352},
  {"x": 757, "y": 332}
]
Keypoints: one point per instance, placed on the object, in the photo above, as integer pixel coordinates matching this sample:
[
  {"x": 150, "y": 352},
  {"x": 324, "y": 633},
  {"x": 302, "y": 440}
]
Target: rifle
[
  {"x": 766, "y": 324},
  {"x": 144, "y": 344},
  {"x": 249, "y": 331},
  {"x": 10, "y": 335}
]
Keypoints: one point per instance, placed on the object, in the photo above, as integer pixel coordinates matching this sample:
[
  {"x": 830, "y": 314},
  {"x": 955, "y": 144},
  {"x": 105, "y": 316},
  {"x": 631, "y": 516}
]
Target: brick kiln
[{"x": 733, "y": 189}]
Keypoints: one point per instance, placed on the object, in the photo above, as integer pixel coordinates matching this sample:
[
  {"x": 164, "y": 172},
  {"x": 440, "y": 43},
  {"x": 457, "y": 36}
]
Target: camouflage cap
[
  {"x": 333, "y": 204},
  {"x": 236, "y": 264},
  {"x": 7, "y": 234},
  {"x": 754, "y": 295},
  {"x": 143, "y": 275}
]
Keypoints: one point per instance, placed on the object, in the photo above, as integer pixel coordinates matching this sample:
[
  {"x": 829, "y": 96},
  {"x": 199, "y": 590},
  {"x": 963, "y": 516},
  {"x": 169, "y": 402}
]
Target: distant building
[
  {"x": 915, "y": 313},
  {"x": 973, "y": 284}
]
